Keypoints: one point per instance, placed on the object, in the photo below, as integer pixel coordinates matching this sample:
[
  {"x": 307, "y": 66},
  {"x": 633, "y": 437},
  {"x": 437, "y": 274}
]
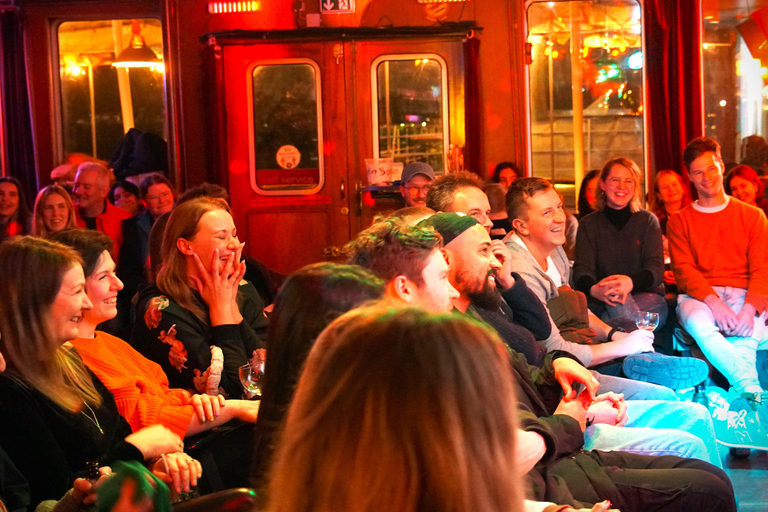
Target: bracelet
[{"x": 614, "y": 331}]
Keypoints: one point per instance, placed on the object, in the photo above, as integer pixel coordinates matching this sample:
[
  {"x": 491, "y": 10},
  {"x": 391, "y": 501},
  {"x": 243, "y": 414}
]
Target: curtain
[
  {"x": 17, "y": 144},
  {"x": 675, "y": 106}
]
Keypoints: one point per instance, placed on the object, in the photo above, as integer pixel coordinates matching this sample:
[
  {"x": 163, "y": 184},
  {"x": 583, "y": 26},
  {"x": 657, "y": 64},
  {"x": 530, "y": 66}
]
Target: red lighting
[{"x": 228, "y": 7}]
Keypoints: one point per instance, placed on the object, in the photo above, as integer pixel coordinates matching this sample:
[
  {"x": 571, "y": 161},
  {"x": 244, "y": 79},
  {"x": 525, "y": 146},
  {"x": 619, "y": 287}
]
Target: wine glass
[
  {"x": 647, "y": 320},
  {"x": 251, "y": 378}
]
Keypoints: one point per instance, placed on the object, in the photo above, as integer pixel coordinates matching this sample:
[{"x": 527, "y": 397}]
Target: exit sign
[{"x": 337, "y": 6}]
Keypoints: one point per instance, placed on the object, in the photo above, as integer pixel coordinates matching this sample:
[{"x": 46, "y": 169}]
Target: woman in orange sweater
[{"x": 139, "y": 385}]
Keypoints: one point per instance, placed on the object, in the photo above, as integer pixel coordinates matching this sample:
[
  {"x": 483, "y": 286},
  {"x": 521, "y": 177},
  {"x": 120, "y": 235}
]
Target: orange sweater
[
  {"x": 140, "y": 386},
  {"x": 725, "y": 248}
]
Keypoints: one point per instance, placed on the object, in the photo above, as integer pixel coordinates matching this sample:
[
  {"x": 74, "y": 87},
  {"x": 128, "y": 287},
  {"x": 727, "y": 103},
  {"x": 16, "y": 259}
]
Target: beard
[{"x": 483, "y": 294}]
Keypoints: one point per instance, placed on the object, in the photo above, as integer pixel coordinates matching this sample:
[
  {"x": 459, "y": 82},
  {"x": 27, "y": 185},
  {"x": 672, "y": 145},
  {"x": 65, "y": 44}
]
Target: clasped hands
[
  {"x": 608, "y": 408},
  {"x": 612, "y": 290},
  {"x": 729, "y": 322}
]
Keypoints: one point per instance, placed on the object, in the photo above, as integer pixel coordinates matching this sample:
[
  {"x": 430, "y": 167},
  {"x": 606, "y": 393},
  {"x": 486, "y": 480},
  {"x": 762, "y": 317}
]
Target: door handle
[{"x": 343, "y": 189}]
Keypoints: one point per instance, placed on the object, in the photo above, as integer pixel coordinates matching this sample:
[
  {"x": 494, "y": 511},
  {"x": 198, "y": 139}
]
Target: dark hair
[
  {"x": 401, "y": 410},
  {"x": 519, "y": 191},
  {"x": 496, "y": 197},
  {"x": 89, "y": 243},
  {"x": 307, "y": 302},
  {"x": 125, "y": 185},
  {"x": 203, "y": 190},
  {"x": 22, "y": 216},
  {"x": 496, "y": 177},
  {"x": 440, "y": 195},
  {"x": 698, "y": 147},
  {"x": 154, "y": 179},
  {"x": 747, "y": 173},
  {"x": 583, "y": 204},
  {"x": 390, "y": 248}
]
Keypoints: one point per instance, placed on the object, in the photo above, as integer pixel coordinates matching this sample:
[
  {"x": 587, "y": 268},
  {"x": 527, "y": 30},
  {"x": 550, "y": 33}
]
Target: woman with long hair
[
  {"x": 307, "y": 302},
  {"x": 400, "y": 411},
  {"x": 670, "y": 194},
  {"x": 14, "y": 212},
  {"x": 56, "y": 416},
  {"x": 743, "y": 183},
  {"x": 139, "y": 385},
  {"x": 53, "y": 211},
  {"x": 201, "y": 321},
  {"x": 619, "y": 261}
]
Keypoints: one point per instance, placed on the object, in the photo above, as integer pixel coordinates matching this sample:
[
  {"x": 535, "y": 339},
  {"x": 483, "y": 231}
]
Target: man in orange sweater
[{"x": 719, "y": 249}]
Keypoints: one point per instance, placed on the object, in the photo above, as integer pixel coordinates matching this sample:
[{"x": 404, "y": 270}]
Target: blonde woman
[{"x": 53, "y": 211}]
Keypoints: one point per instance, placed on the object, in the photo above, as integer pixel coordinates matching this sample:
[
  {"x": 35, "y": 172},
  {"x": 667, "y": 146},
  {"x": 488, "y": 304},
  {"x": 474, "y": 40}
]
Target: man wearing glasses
[{"x": 415, "y": 183}]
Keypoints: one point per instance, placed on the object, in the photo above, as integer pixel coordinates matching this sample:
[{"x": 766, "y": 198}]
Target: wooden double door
[{"x": 298, "y": 119}]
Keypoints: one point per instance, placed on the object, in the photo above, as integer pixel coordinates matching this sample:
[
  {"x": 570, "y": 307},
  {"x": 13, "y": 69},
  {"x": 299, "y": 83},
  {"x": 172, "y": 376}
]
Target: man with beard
[
  {"x": 510, "y": 308},
  {"x": 653, "y": 412}
]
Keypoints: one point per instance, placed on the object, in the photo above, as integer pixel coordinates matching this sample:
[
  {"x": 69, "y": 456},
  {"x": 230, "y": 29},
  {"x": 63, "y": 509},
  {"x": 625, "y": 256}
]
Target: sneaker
[
  {"x": 669, "y": 371},
  {"x": 739, "y": 420}
]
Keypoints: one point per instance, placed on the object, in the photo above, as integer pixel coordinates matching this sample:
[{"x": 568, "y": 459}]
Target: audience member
[
  {"x": 14, "y": 213},
  {"x": 461, "y": 192},
  {"x": 93, "y": 210},
  {"x": 501, "y": 225},
  {"x": 354, "y": 440},
  {"x": 487, "y": 287},
  {"x": 538, "y": 218},
  {"x": 133, "y": 269},
  {"x": 201, "y": 321},
  {"x": 125, "y": 195},
  {"x": 56, "y": 415},
  {"x": 412, "y": 215},
  {"x": 505, "y": 173},
  {"x": 723, "y": 293},
  {"x": 587, "y": 200},
  {"x": 53, "y": 211},
  {"x": 743, "y": 183},
  {"x": 416, "y": 179},
  {"x": 308, "y": 301},
  {"x": 139, "y": 385},
  {"x": 619, "y": 262},
  {"x": 410, "y": 261},
  {"x": 669, "y": 195}
]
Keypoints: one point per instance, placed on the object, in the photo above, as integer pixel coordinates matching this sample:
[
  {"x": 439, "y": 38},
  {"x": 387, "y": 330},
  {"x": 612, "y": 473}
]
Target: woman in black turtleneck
[{"x": 619, "y": 261}]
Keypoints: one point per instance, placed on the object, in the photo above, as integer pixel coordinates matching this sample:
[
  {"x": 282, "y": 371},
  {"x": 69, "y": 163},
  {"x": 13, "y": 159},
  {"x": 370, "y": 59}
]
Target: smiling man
[{"x": 719, "y": 250}]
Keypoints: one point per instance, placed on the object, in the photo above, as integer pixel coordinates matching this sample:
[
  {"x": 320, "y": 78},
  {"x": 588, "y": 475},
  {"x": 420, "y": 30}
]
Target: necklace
[{"x": 93, "y": 420}]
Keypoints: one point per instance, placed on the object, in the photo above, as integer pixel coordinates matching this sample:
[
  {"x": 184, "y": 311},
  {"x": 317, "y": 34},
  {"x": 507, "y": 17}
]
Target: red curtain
[
  {"x": 18, "y": 145},
  {"x": 675, "y": 106}
]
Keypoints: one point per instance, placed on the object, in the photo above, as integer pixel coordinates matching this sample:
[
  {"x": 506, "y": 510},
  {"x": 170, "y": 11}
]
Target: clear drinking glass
[
  {"x": 251, "y": 378},
  {"x": 647, "y": 320}
]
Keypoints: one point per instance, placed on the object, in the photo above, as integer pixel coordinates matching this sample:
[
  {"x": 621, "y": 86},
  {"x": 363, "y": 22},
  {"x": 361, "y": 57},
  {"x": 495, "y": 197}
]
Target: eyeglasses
[
  {"x": 160, "y": 196},
  {"x": 616, "y": 182},
  {"x": 415, "y": 191}
]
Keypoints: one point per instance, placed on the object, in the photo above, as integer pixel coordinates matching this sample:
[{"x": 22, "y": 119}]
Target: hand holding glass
[{"x": 647, "y": 320}]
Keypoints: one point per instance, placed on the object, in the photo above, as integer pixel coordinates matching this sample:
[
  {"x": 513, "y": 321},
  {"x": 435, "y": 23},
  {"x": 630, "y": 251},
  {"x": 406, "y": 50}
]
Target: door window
[
  {"x": 410, "y": 109},
  {"x": 286, "y": 126}
]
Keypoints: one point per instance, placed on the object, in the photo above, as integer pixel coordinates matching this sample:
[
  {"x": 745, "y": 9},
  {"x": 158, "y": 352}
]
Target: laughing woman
[
  {"x": 201, "y": 321},
  {"x": 53, "y": 211},
  {"x": 619, "y": 262},
  {"x": 55, "y": 416}
]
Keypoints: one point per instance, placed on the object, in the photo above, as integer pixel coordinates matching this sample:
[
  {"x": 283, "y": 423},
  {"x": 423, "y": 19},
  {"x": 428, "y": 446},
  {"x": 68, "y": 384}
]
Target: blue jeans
[
  {"x": 659, "y": 428},
  {"x": 633, "y": 389},
  {"x": 734, "y": 356}
]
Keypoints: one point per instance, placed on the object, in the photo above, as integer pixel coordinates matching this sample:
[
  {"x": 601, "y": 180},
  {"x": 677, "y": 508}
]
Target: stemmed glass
[
  {"x": 647, "y": 320},
  {"x": 251, "y": 378}
]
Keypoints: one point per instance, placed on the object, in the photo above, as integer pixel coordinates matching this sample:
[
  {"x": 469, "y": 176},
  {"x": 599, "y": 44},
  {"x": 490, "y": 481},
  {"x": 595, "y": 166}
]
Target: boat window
[
  {"x": 735, "y": 67},
  {"x": 286, "y": 128},
  {"x": 410, "y": 110},
  {"x": 586, "y": 88},
  {"x": 111, "y": 79}
]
